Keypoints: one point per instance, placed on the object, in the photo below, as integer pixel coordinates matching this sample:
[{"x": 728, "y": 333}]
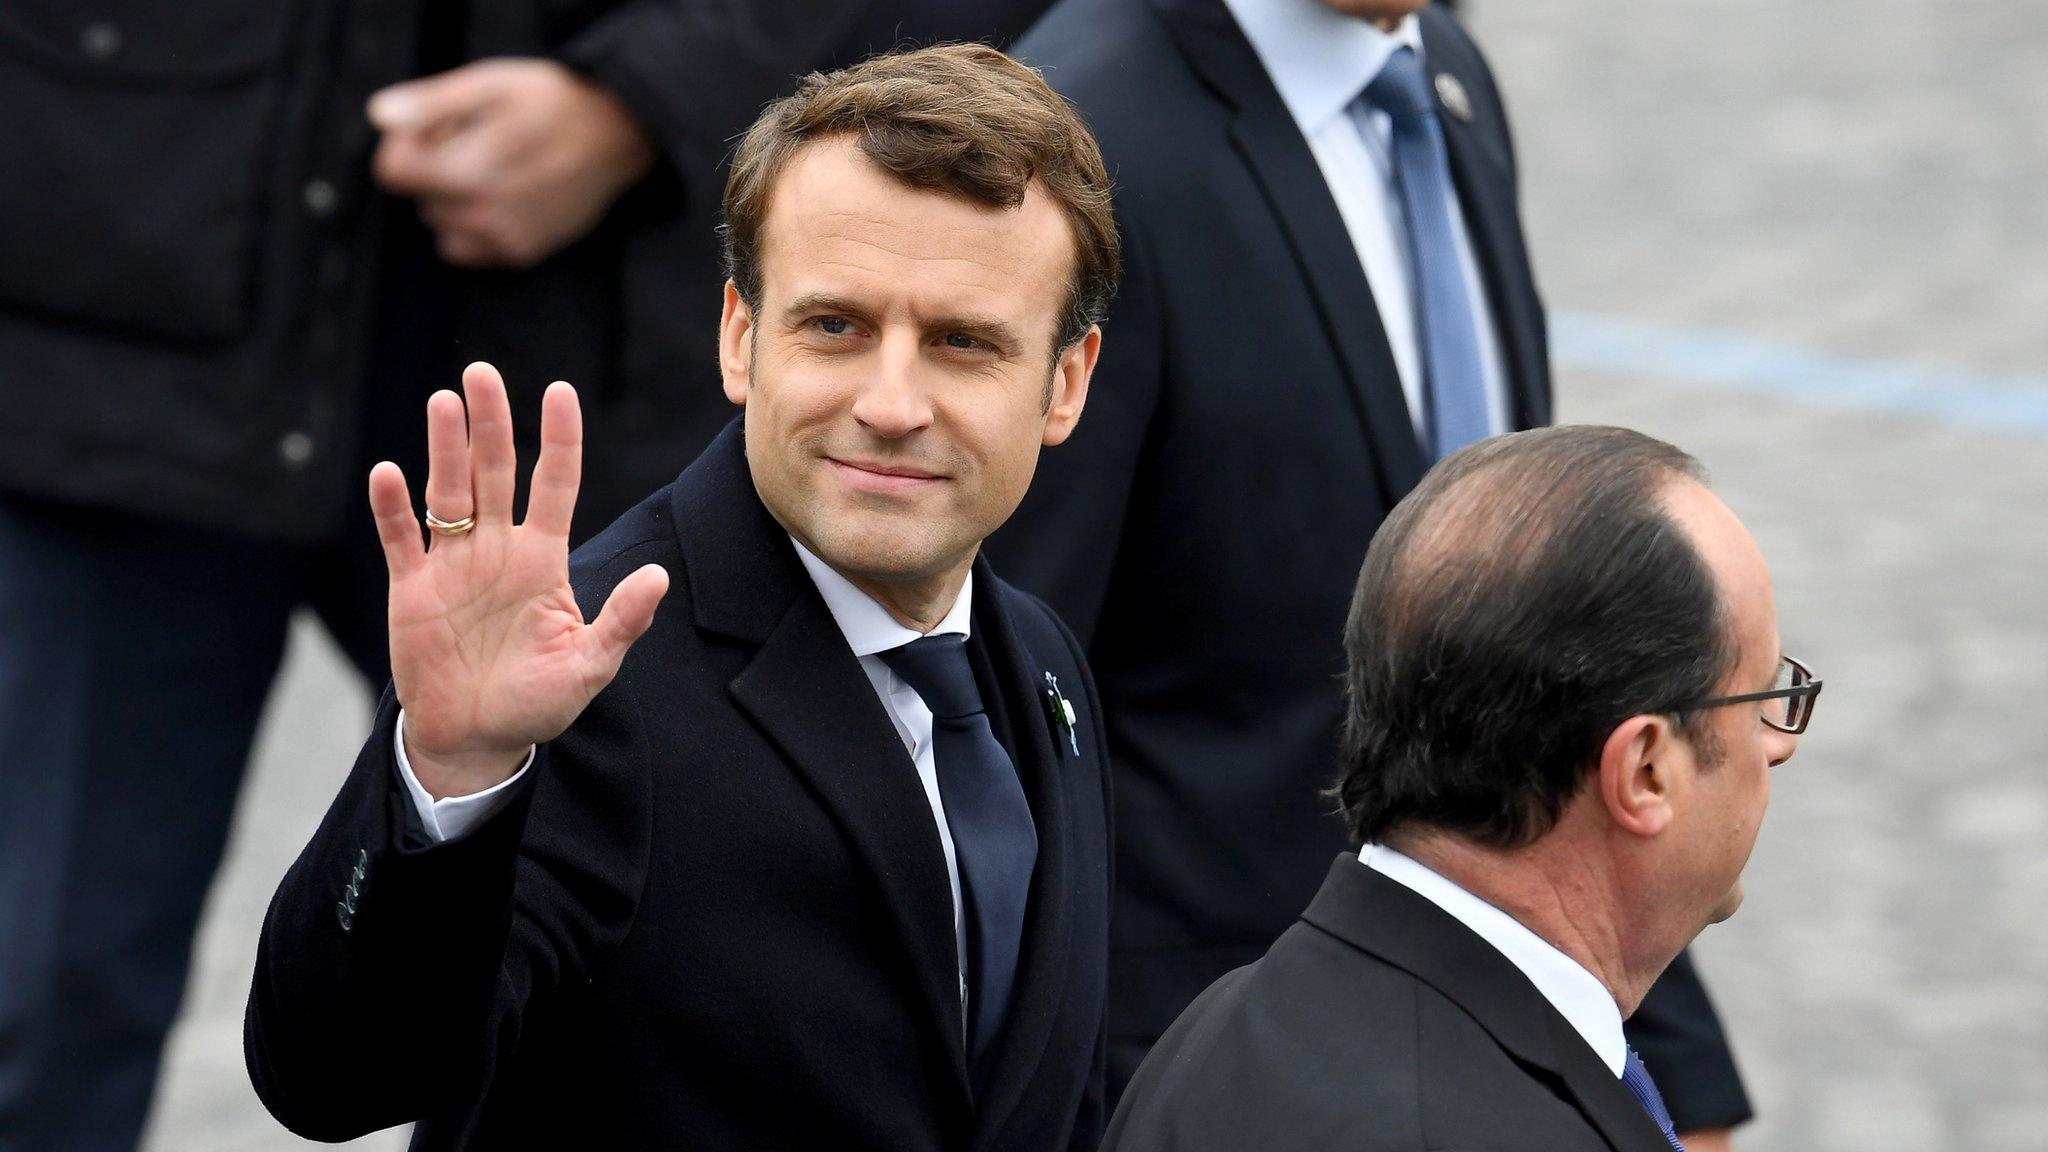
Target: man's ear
[
  {"x": 1637, "y": 773},
  {"x": 736, "y": 345},
  {"x": 1069, "y": 386}
]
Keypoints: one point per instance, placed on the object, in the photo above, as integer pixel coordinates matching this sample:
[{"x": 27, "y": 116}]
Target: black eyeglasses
[{"x": 1794, "y": 692}]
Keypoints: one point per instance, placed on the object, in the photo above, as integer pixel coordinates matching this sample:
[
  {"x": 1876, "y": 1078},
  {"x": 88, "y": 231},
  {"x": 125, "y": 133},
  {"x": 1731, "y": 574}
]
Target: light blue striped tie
[
  {"x": 1636, "y": 1079},
  {"x": 1455, "y": 386}
]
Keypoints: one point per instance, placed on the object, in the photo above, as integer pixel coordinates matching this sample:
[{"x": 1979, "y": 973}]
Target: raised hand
[{"x": 489, "y": 652}]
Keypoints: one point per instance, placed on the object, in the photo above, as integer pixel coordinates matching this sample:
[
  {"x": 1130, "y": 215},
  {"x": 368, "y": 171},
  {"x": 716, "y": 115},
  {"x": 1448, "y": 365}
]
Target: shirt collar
[
  {"x": 868, "y": 626},
  {"x": 1576, "y": 993},
  {"x": 1319, "y": 58}
]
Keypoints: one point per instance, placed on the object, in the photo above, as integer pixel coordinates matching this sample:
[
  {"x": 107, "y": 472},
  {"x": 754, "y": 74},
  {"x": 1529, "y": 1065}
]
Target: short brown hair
[{"x": 957, "y": 118}]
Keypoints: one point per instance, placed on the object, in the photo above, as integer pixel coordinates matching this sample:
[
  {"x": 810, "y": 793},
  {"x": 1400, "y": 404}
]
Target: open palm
[{"x": 489, "y": 651}]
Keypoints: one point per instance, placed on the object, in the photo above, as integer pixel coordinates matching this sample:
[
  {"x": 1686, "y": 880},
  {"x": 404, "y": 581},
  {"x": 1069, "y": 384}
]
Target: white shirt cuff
[{"x": 451, "y": 818}]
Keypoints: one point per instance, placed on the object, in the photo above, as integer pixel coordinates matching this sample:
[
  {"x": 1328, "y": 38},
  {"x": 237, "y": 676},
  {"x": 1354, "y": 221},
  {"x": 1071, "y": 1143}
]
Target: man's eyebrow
[{"x": 816, "y": 302}]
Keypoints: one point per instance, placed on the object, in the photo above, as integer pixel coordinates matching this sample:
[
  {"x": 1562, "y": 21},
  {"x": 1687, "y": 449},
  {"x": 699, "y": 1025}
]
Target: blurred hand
[
  {"x": 1707, "y": 1140},
  {"x": 510, "y": 159},
  {"x": 489, "y": 652}
]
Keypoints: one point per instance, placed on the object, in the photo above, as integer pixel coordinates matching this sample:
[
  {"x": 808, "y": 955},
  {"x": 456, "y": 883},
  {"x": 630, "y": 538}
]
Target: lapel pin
[
  {"x": 1451, "y": 92},
  {"x": 1062, "y": 712}
]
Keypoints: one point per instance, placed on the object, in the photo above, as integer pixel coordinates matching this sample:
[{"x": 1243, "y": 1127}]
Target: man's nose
[
  {"x": 1781, "y": 747},
  {"x": 894, "y": 401}
]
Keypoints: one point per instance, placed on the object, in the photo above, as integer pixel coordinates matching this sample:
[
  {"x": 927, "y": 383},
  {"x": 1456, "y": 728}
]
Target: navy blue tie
[
  {"x": 994, "y": 839},
  {"x": 1455, "y": 386},
  {"x": 1636, "y": 1079}
]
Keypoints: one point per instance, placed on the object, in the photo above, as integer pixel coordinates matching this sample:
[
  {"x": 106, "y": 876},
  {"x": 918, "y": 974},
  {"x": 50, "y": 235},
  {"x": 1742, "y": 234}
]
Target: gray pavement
[{"x": 1862, "y": 180}]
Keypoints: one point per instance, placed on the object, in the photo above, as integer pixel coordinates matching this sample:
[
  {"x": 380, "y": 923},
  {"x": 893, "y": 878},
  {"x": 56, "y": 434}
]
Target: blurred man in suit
[
  {"x": 823, "y": 861},
  {"x": 1565, "y": 698},
  {"x": 1327, "y": 290}
]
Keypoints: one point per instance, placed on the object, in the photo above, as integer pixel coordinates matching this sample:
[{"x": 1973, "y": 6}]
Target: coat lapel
[
  {"x": 1042, "y": 969},
  {"x": 1380, "y": 916},
  {"x": 806, "y": 691},
  {"x": 1265, "y": 135},
  {"x": 1602, "y": 1098},
  {"x": 1483, "y": 171}
]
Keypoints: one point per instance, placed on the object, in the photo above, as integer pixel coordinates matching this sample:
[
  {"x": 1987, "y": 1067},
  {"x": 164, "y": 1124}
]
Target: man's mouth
[{"x": 884, "y": 477}]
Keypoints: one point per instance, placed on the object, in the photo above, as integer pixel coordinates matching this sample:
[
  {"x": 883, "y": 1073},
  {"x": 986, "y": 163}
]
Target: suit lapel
[
  {"x": 1602, "y": 1098},
  {"x": 1265, "y": 135},
  {"x": 1380, "y": 916},
  {"x": 808, "y": 694},
  {"x": 1484, "y": 175},
  {"x": 1042, "y": 969}
]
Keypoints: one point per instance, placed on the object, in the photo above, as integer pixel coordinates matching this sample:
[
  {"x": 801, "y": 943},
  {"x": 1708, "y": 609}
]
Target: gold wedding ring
[{"x": 450, "y": 527}]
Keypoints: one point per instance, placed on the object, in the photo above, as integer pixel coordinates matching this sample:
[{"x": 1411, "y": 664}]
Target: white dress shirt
[
  {"x": 1321, "y": 61},
  {"x": 1576, "y": 993},
  {"x": 869, "y": 630}
]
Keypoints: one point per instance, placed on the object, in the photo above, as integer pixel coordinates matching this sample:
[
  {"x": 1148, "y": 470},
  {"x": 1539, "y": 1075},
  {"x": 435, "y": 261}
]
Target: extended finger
[
  {"x": 625, "y": 618},
  {"x": 492, "y": 459},
  {"x": 551, "y": 504},
  {"x": 437, "y": 101},
  {"x": 398, "y": 530},
  {"x": 448, "y": 494}
]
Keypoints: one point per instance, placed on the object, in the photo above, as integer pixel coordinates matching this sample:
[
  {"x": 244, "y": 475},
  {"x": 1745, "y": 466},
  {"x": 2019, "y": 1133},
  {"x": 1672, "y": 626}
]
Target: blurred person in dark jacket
[
  {"x": 1319, "y": 301},
  {"x": 226, "y": 290}
]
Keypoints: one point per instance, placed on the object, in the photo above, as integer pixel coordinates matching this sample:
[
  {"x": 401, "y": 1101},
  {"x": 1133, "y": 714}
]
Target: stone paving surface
[{"x": 1864, "y": 179}]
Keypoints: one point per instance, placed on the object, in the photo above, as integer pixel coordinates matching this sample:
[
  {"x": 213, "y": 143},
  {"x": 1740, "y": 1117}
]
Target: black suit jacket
[
  {"x": 718, "y": 916},
  {"x": 1203, "y": 529},
  {"x": 1378, "y": 1023}
]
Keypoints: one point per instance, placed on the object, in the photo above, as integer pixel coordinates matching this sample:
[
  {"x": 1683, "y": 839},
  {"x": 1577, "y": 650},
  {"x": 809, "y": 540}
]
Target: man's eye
[
  {"x": 960, "y": 342},
  {"x": 834, "y": 325}
]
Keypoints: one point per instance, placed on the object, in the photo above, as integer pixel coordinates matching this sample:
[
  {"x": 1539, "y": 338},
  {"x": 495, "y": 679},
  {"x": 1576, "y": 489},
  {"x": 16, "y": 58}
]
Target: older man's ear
[{"x": 1635, "y": 776}]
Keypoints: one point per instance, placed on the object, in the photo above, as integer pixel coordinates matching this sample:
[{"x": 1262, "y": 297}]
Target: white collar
[
  {"x": 1576, "y": 993},
  {"x": 868, "y": 626},
  {"x": 1319, "y": 58}
]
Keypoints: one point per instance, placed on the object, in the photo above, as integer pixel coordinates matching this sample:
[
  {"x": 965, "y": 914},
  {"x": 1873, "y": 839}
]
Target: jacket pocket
[{"x": 134, "y": 154}]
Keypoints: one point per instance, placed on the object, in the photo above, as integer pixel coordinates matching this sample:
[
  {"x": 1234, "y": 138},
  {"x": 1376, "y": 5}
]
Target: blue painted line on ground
[{"x": 1588, "y": 342}]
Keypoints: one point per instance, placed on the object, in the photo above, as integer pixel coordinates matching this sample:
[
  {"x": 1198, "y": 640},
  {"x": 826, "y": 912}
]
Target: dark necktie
[
  {"x": 1455, "y": 389},
  {"x": 1636, "y": 1079},
  {"x": 994, "y": 840}
]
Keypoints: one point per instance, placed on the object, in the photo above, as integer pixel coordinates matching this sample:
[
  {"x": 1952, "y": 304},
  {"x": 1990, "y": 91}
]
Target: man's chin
[{"x": 881, "y": 549}]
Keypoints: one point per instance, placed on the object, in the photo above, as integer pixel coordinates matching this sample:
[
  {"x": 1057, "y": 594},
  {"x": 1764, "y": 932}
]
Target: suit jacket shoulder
[{"x": 1378, "y": 1022}]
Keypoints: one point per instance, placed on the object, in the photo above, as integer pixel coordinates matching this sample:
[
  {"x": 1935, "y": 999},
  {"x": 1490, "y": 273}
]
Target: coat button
[
  {"x": 295, "y": 449},
  {"x": 321, "y": 197},
  {"x": 347, "y": 918},
  {"x": 100, "y": 40}
]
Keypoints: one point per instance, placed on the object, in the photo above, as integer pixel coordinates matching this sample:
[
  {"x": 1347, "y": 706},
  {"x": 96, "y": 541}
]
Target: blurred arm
[{"x": 695, "y": 75}]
